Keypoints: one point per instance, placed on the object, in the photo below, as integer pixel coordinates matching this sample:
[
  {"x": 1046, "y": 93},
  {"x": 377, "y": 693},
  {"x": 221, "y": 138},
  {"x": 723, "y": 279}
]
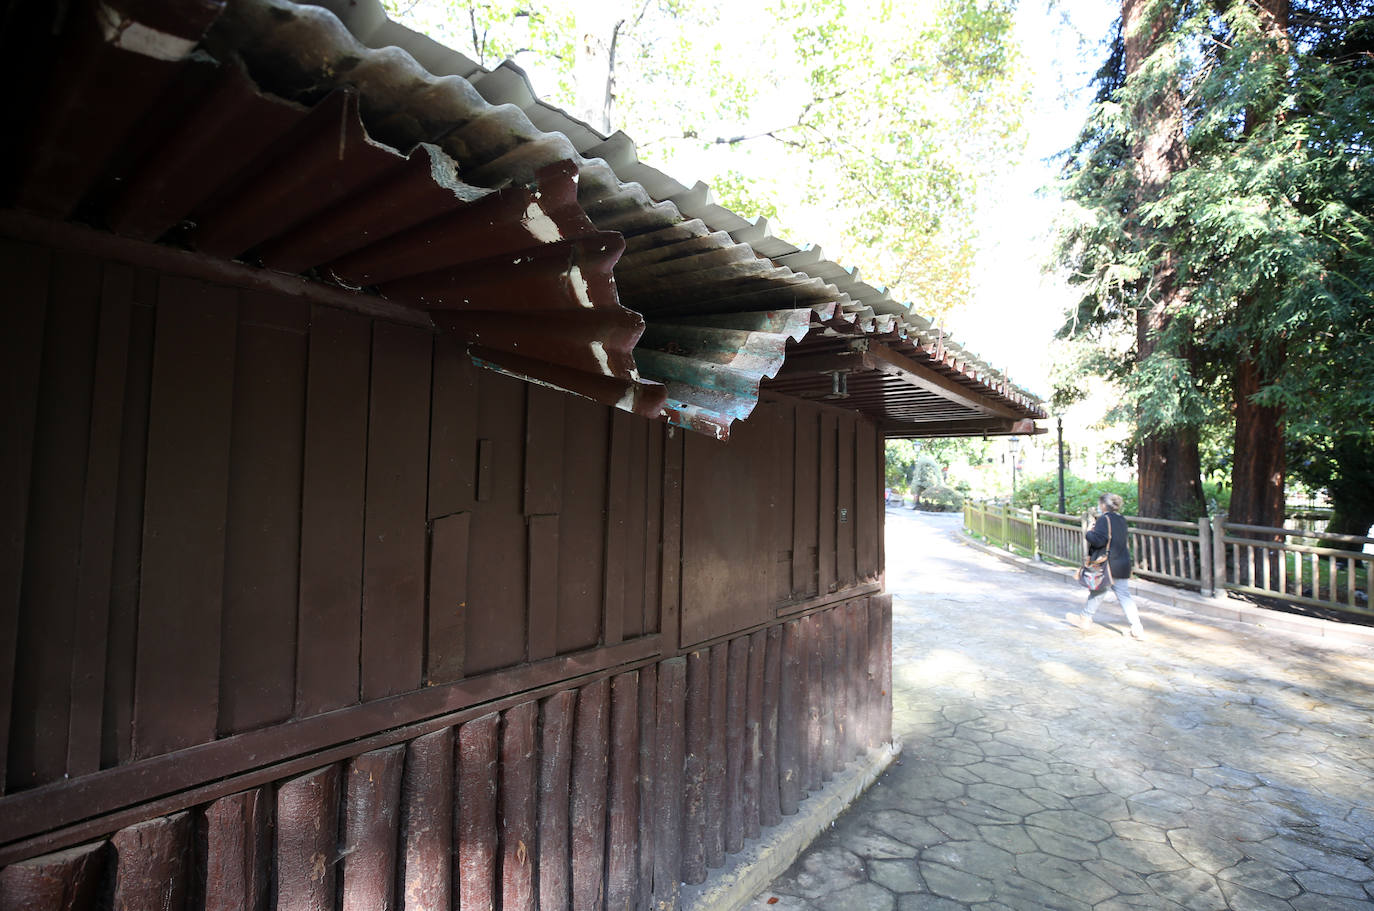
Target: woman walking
[{"x": 1109, "y": 533}]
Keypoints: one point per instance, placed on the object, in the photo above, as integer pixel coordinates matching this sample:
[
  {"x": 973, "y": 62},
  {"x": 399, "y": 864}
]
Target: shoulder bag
[{"x": 1095, "y": 575}]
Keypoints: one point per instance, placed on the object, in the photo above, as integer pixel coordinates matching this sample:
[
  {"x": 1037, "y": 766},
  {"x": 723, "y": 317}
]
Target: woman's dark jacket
[{"x": 1119, "y": 559}]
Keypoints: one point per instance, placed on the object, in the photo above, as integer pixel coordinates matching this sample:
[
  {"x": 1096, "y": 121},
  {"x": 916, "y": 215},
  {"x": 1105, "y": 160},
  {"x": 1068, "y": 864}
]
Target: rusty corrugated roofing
[{"x": 281, "y": 138}]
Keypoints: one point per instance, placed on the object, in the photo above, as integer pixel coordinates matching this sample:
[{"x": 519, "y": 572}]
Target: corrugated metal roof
[
  {"x": 279, "y": 138},
  {"x": 871, "y": 307}
]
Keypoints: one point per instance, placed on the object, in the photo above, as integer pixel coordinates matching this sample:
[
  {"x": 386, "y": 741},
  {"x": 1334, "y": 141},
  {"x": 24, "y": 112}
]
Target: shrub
[
  {"x": 1080, "y": 494},
  {"x": 940, "y": 498},
  {"x": 926, "y": 473}
]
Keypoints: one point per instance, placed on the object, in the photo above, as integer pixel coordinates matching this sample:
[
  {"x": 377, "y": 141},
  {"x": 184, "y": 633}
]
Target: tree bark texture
[
  {"x": 1170, "y": 475},
  {"x": 1258, "y": 465}
]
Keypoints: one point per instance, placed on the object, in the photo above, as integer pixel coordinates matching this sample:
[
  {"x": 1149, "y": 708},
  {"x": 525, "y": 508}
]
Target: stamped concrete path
[{"x": 1214, "y": 766}]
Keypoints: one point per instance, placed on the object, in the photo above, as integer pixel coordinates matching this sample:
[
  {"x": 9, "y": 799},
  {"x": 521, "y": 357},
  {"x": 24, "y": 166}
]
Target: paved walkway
[{"x": 1214, "y": 766}]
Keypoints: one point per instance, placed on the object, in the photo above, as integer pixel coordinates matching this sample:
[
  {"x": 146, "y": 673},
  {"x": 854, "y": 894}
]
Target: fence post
[
  {"x": 1035, "y": 532},
  {"x": 1006, "y": 525},
  {"x": 1219, "y": 555},
  {"x": 1204, "y": 550}
]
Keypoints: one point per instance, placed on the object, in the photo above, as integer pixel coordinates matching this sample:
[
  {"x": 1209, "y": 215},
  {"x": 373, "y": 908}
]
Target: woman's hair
[{"x": 1111, "y": 502}]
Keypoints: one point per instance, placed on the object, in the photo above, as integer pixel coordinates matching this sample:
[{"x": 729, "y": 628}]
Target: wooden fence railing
[{"x": 1210, "y": 555}]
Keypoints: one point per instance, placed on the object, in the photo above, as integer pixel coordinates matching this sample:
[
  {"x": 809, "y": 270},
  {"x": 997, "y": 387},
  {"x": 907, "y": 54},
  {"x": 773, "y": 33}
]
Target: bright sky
[{"x": 1017, "y": 308}]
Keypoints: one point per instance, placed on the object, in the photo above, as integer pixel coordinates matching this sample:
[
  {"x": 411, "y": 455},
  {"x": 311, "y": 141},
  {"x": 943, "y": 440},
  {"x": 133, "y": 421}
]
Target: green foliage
[
  {"x": 1080, "y": 494},
  {"x": 927, "y": 474},
  {"x": 940, "y": 498},
  {"x": 1269, "y": 229},
  {"x": 864, "y": 127},
  {"x": 900, "y": 463}
]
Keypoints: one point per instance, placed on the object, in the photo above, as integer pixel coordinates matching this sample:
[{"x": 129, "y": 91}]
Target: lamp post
[
  {"x": 1015, "y": 447},
  {"x": 1060, "y": 423}
]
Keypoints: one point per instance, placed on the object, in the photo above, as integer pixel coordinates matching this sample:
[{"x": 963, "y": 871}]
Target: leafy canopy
[{"x": 863, "y": 125}]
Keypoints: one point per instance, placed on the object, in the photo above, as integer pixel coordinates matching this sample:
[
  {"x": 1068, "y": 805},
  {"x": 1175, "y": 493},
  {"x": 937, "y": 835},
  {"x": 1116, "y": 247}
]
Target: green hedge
[
  {"x": 1080, "y": 494},
  {"x": 941, "y": 499}
]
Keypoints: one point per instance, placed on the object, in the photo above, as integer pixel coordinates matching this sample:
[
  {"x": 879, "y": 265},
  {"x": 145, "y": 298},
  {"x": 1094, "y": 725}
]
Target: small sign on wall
[{"x": 844, "y": 515}]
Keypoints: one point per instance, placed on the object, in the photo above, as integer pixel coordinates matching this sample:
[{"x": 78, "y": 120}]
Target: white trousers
[{"x": 1122, "y": 589}]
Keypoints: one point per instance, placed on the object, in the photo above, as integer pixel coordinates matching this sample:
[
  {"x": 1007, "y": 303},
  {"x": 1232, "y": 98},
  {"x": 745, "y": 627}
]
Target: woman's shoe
[
  {"x": 1138, "y": 633},
  {"x": 1079, "y": 620}
]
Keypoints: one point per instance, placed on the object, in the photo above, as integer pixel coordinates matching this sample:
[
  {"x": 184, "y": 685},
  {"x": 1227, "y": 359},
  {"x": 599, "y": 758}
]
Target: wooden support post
[
  {"x": 1006, "y": 525},
  {"x": 1035, "y": 532},
  {"x": 1219, "y": 555},
  {"x": 1204, "y": 548}
]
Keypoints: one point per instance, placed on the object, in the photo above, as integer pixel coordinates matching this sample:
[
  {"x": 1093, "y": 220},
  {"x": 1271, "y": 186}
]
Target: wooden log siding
[
  {"x": 299, "y": 599},
  {"x": 541, "y": 804}
]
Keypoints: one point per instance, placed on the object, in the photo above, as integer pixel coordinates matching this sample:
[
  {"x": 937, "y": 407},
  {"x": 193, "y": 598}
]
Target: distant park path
[{"x": 1215, "y": 766}]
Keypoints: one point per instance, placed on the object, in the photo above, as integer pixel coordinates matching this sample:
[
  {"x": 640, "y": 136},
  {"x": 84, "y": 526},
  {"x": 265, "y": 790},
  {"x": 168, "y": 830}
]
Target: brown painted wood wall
[
  {"x": 242, "y": 530},
  {"x": 604, "y": 795}
]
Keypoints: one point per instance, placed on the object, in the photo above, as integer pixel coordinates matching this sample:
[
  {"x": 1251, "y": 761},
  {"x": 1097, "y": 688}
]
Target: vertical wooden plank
[
  {"x": 618, "y": 531},
  {"x": 648, "y": 781},
  {"x": 752, "y": 775},
  {"x": 884, "y": 724},
  {"x": 831, "y": 730},
  {"x": 827, "y": 505},
  {"x": 448, "y": 599},
  {"x": 153, "y": 864},
  {"x": 307, "y": 840},
  {"x": 371, "y": 816},
  {"x": 22, "y": 323},
  {"x": 452, "y": 430},
  {"x": 393, "y": 627},
  {"x": 736, "y": 745},
  {"x": 475, "y": 826},
  {"x": 262, "y": 542},
  {"x": 854, "y": 736},
  {"x": 867, "y": 500},
  {"x": 838, "y": 667},
  {"x": 716, "y": 763},
  {"x": 332, "y": 493},
  {"x": 555, "y": 765},
  {"x": 498, "y": 595},
  {"x": 543, "y": 587},
  {"x": 486, "y": 453},
  {"x": 93, "y": 587},
  {"x": 779, "y": 487},
  {"x": 543, "y": 450},
  {"x": 669, "y": 725},
  {"x": 858, "y": 646},
  {"x": 176, "y": 686},
  {"x": 237, "y": 853},
  {"x": 591, "y": 738},
  {"x": 45, "y": 629},
  {"x": 845, "y": 571},
  {"x": 622, "y": 827},
  {"x": 653, "y": 526},
  {"x": 805, "y": 503},
  {"x": 519, "y": 806},
  {"x": 814, "y": 770},
  {"x": 637, "y": 540},
  {"x": 583, "y": 458},
  {"x": 68, "y": 879},
  {"x": 697, "y": 714},
  {"x": 791, "y": 717},
  {"x": 670, "y": 627},
  {"x": 876, "y": 691},
  {"x": 127, "y": 563},
  {"x": 770, "y": 810},
  {"x": 426, "y": 874}
]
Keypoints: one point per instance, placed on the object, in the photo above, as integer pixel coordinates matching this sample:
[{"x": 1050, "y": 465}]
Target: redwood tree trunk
[
  {"x": 1258, "y": 466},
  {"x": 1170, "y": 472}
]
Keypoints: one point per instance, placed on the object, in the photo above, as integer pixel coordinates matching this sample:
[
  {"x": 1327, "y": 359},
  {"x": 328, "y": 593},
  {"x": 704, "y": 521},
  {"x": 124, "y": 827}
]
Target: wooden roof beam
[{"x": 892, "y": 363}]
